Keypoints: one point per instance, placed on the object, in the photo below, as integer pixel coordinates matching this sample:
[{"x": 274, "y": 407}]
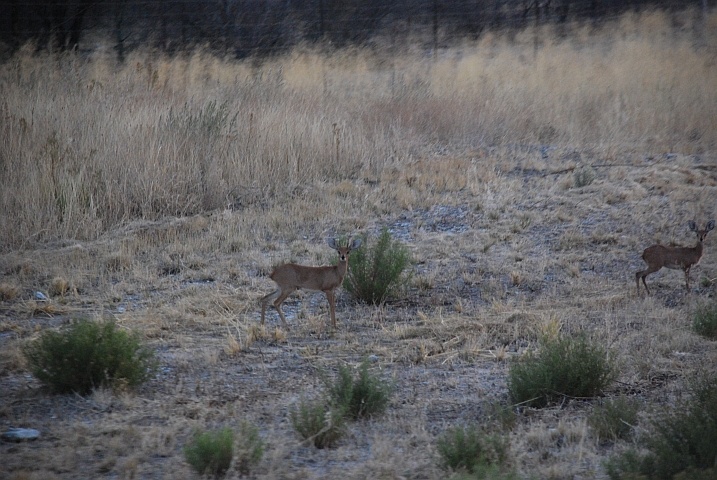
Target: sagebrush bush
[
  {"x": 376, "y": 271},
  {"x": 584, "y": 176},
  {"x": 323, "y": 421},
  {"x": 88, "y": 355},
  {"x": 563, "y": 366},
  {"x": 680, "y": 443},
  {"x": 359, "y": 397},
  {"x": 491, "y": 472},
  {"x": 473, "y": 450},
  {"x": 615, "y": 418},
  {"x": 502, "y": 416},
  {"x": 323, "y": 425},
  {"x": 249, "y": 449},
  {"x": 705, "y": 320},
  {"x": 210, "y": 452}
]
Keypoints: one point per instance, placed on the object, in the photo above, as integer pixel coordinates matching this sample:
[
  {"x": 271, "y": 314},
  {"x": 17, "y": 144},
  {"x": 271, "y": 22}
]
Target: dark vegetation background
[{"x": 260, "y": 27}]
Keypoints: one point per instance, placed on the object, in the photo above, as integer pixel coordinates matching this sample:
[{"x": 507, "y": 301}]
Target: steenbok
[
  {"x": 658, "y": 256},
  {"x": 290, "y": 277}
]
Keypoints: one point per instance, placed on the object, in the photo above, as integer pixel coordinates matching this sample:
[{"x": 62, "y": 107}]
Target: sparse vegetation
[
  {"x": 362, "y": 396},
  {"x": 476, "y": 452},
  {"x": 614, "y": 418},
  {"x": 249, "y": 448},
  {"x": 680, "y": 443},
  {"x": 211, "y": 120},
  {"x": 447, "y": 151},
  {"x": 378, "y": 270},
  {"x": 58, "y": 287},
  {"x": 88, "y": 355},
  {"x": 211, "y": 453},
  {"x": 584, "y": 176},
  {"x": 705, "y": 320},
  {"x": 321, "y": 424},
  {"x": 503, "y": 416},
  {"x": 323, "y": 421},
  {"x": 564, "y": 366},
  {"x": 7, "y": 292}
]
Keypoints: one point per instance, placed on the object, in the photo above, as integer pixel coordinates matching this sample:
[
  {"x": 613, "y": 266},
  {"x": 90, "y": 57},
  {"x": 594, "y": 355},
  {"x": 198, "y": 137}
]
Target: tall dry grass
[{"x": 88, "y": 144}]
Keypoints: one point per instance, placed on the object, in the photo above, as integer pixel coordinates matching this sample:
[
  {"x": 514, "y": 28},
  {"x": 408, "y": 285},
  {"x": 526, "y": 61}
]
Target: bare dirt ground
[{"x": 506, "y": 247}]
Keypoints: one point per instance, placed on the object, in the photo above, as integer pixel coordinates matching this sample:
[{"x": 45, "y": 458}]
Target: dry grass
[
  {"x": 172, "y": 232},
  {"x": 178, "y": 136}
]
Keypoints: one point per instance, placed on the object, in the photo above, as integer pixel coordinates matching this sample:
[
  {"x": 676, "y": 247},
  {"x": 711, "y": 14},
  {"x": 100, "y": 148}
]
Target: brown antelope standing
[
  {"x": 658, "y": 256},
  {"x": 291, "y": 277}
]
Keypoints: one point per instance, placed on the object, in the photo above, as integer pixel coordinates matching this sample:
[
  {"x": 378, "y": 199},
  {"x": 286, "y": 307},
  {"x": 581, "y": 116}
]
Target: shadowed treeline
[{"x": 259, "y": 27}]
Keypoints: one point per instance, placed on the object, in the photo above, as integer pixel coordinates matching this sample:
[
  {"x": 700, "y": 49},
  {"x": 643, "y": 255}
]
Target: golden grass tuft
[
  {"x": 233, "y": 347},
  {"x": 58, "y": 287},
  {"x": 42, "y": 307},
  {"x": 118, "y": 262},
  {"x": 12, "y": 360},
  {"x": 8, "y": 291}
]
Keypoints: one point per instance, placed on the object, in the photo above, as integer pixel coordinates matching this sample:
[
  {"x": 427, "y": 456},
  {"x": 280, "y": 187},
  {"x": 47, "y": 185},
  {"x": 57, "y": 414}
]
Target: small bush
[
  {"x": 564, "y": 366},
  {"x": 584, "y": 176},
  {"x": 7, "y": 292},
  {"x": 360, "y": 397},
  {"x": 88, "y": 355},
  {"x": 705, "y": 320},
  {"x": 376, "y": 272},
  {"x": 324, "y": 421},
  {"x": 58, "y": 287},
  {"x": 210, "y": 452},
  {"x": 502, "y": 416},
  {"x": 321, "y": 424},
  {"x": 250, "y": 448},
  {"x": 491, "y": 472},
  {"x": 472, "y": 450},
  {"x": 680, "y": 443},
  {"x": 614, "y": 419}
]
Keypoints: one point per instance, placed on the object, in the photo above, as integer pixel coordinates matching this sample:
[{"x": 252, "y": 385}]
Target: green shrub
[
  {"x": 502, "y": 416},
  {"x": 680, "y": 443},
  {"x": 614, "y": 419},
  {"x": 88, "y": 355},
  {"x": 360, "y": 397},
  {"x": 211, "y": 452},
  {"x": 471, "y": 449},
  {"x": 323, "y": 421},
  {"x": 321, "y": 424},
  {"x": 697, "y": 474},
  {"x": 250, "y": 448},
  {"x": 584, "y": 176},
  {"x": 705, "y": 320},
  {"x": 563, "y": 366},
  {"x": 376, "y": 272},
  {"x": 490, "y": 472}
]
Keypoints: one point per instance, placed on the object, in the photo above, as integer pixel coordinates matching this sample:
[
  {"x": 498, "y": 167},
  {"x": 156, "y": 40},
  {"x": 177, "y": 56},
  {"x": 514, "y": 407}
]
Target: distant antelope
[
  {"x": 658, "y": 256},
  {"x": 290, "y": 277}
]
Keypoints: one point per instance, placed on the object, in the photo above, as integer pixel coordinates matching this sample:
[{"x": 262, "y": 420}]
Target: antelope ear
[
  {"x": 332, "y": 243},
  {"x": 692, "y": 225},
  {"x": 710, "y": 226},
  {"x": 357, "y": 243}
]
